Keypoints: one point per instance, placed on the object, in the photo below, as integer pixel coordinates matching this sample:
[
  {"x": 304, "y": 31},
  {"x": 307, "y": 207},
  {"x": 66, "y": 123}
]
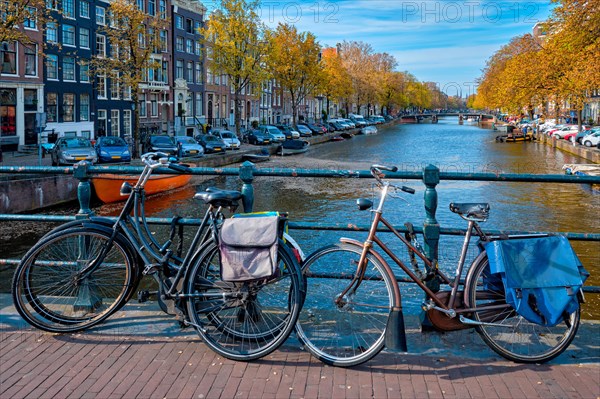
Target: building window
[
  {"x": 51, "y": 107},
  {"x": 198, "y": 73},
  {"x": 163, "y": 41},
  {"x": 68, "y": 65},
  {"x": 84, "y": 38},
  {"x": 153, "y": 105},
  {"x": 165, "y": 73},
  {"x": 189, "y": 26},
  {"x": 8, "y": 57},
  {"x": 179, "y": 22},
  {"x": 127, "y": 93},
  {"x": 68, "y": 35},
  {"x": 84, "y": 107},
  {"x": 198, "y": 48},
  {"x": 198, "y": 104},
  {"x": 141, "y": 5},
  {"x": 197, "y": 26},
  {"x": 52, "y": 4},
  {"x": 190, "y": 72},
  {"x": 114, "y": 122},
  {"x": 51, "y": 32},
  {"x": 68, "y": 107},
  {"x": 30, "y": 99},
  {"x": 100, "y": 46},
  {"x": 68, "y": 8},
  {"x": 52, "y": 66},
  {"x": 84, "y": 9},
  {"x": 101, "y": 122},
  {"x": 101, "y": 87},
  {"x": 189, "y": 46},
  {"x": 151, "y": 7},
  {"x": 100, "y": 15},
  {"x": 31, "y": 22},
  {"x": 162, "y": 4},
  {"x": 179, "y": 69},
  {"x": 179, "y": 44},
  {"x": 31, "y": 60},
  {"x": 115, "y": 86},
  {"x": 127, "y": 122},
  {"x": 142, "y": 105},
  {"x": 84, "y": 72}
]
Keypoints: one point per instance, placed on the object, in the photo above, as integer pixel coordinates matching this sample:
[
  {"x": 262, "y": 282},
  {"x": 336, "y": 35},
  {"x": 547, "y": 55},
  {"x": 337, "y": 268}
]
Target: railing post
[
  {"x": 247, "y": 176},
  {"x": 84, "y": 191},
  {"x": 431, "y": 228}
]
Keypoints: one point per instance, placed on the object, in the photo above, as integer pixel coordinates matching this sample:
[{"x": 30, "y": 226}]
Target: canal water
[{"x": 449, "y": 146}]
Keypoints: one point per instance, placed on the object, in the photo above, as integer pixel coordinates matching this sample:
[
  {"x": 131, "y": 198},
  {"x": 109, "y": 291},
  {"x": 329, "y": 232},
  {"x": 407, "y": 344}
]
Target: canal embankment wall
[{"x": 589, "y": 154}]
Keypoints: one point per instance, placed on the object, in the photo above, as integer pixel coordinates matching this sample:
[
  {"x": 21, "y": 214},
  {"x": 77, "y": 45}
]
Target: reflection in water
[{"x": 449, "y": 146}]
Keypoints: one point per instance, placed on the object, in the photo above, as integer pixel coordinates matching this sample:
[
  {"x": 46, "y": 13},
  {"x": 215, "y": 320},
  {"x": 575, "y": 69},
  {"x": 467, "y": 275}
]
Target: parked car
[
  {"x": 576, "y": 138},
  {"x": 229, "y": 138},
  {"x": 112, "y": 149},
  {"x": 276, "y": 135},
  {"x": 591, "y": 139},
  {"x": 258, "y": 137},
  {"x": 211, "y": 144},
  {"x": 288, "y": 132},
  {"x": 358, "y": 120},
  {"x": 69, "y": 150},
  {"x": 304, "y": 130},
  {"x": 160, "y": 143},
  {"x": 561, "y": 133},
  {"x": 188, "y": 147},
  {"x": 316, "y": 128}
]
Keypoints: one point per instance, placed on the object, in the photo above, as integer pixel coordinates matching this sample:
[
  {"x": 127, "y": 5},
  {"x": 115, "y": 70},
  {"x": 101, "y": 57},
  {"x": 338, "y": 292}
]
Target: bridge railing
[{"x": 430, "y": 176}]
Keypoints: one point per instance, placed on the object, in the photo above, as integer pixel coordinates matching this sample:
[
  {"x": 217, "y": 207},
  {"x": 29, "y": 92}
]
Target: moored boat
[
  {"x": 254, "y": 158},
  {"x": 368, "y": 130},
  {"x": 108, "y": 186},
  {"x": 591, "y": 169},
  {"x": 514, "y": 137},
  {"x": 290, "y": 147}
]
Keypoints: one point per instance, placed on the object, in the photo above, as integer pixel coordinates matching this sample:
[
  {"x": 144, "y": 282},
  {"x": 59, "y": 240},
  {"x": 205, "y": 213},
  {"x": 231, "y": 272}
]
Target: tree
[
  {"x": 294, "y": 62},
  {"x": 133, "y": 37},
  {"x": 357, "y": 58},
  {"x": 16, "y": 14},
  {"x": 235, "y": 41},
  {"x": 336, "y": 83}
]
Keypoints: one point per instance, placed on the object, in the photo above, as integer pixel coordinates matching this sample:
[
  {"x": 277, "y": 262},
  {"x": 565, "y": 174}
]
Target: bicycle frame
[{"x": 372, "y": 238}]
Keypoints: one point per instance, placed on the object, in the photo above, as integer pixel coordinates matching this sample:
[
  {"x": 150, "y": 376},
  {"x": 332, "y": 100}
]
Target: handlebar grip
[
  {"x": 408, "y": 189},
  {"x": 179, "y": 168},
  {"x": 384, "y": 167}
]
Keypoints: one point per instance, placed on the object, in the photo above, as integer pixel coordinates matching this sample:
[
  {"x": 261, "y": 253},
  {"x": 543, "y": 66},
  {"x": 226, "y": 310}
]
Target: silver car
[
  {"x": 276, "y": 135},
  {"x": 70, "y": 150},
  {"x": 188, "y": 147},
  {"x": 229, "y": 138}
]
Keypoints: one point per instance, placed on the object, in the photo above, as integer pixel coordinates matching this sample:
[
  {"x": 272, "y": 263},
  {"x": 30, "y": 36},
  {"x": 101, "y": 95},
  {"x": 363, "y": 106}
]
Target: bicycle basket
[
  {"x": 541, "y": 276},
  {"x": 248, "y": 248}
]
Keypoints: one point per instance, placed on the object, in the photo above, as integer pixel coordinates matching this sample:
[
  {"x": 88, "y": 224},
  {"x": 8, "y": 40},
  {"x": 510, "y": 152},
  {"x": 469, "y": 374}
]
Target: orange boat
[{"x": 108, "y": 186}]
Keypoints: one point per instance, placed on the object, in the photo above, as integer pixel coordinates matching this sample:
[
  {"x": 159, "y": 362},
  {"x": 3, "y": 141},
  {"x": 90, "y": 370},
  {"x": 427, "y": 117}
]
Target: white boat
[
  {"x": 368, "y": 130},
  {"x": 290, "y": 147},
  {"x": 590, "y": 169}
]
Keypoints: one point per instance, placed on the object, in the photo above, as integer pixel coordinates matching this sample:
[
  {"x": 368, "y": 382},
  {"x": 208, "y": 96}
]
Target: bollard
[
  {"x": 84, "y": 191},
  {"x": 247, "y": 176}
]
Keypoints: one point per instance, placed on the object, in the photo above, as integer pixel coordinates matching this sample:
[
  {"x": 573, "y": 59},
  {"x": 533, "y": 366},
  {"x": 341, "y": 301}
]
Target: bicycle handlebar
[{"x": 376, "y": 172}]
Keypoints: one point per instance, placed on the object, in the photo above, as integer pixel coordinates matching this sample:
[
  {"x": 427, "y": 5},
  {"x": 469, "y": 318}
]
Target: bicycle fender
[
  {"x": 397, "y": 305},
  {"x": 80, "y": 222},
  {"x": 480, "y": 258}
]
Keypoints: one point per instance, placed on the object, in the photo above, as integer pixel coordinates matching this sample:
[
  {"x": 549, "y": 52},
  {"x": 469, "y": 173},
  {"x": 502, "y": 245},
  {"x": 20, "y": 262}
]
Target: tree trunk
[
  {"x": 237, "y": 112},
  {"x": 579, "y": 122},
  {"x": 136, "y": 124}
]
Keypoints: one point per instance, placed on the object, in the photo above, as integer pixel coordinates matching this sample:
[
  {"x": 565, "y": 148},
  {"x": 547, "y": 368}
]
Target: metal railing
[{"x": 430, "y": 176}]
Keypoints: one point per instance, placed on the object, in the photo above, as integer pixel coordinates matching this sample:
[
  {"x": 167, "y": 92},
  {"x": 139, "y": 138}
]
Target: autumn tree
[
  {"x": 357, "y": 59},
  {"x": 17, "y": 14},
  {"x": 134, "y": 40},
  {"x": 236, "y": 46},
  {"x": 294, "y": 62},
  {"x": 336, "y": 84}
]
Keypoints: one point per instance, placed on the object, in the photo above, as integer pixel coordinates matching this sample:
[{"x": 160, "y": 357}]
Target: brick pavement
[{"x": 140, "y": 353}]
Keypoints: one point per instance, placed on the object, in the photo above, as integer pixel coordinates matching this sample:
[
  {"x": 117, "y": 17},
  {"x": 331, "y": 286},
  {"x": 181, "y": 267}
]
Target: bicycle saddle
[
  {"x": 472, "y": 211},
  {"x": 218, "y": 197}
]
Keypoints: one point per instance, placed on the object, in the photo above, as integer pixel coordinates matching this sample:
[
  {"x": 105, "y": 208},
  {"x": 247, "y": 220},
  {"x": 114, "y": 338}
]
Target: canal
[{"x": 449, "y": 146}]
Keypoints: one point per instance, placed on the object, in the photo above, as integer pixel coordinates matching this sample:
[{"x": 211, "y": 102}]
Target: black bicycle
[{"x": 83, "y": 271}]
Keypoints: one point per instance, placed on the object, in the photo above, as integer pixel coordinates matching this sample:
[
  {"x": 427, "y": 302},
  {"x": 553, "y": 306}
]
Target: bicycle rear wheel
[
  {"x": 352, "y": 332},
  {"x": 249, "y": 320},
  {"x": 507, "y": 333},
  {"x": 50, "y": 291}
]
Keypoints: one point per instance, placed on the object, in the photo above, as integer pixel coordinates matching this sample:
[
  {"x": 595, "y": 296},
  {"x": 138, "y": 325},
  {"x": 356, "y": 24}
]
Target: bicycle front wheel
[
  {"x": 247, "y": 320},
  {"x": 53, "y": 289},
  {"x": 508, "y": 334},
  {"x": 352, "y": 331}
]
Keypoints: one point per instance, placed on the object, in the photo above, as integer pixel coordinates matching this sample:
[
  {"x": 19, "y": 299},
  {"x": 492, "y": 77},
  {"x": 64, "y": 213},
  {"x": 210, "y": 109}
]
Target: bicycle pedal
[
  {"x": 143, "y": 296},
  {"x": 150, "y": 269}
]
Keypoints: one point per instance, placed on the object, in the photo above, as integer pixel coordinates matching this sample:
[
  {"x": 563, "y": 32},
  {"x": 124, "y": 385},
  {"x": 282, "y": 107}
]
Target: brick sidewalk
[{"x": 139, "y": 353}]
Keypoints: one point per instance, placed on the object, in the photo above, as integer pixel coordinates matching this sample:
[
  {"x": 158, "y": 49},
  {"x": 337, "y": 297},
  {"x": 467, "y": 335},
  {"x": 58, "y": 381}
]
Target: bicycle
[
  {"x": 353, "y": 305},
  {"x": 83, "y": 271}
]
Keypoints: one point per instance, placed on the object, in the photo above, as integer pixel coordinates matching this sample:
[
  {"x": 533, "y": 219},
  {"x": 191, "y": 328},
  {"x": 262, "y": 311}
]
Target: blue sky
[{"x": 447, "y": 42}]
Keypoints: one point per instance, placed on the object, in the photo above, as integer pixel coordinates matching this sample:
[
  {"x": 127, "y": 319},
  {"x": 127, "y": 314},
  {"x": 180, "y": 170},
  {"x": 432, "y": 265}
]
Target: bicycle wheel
[
  {"x": 509, "y": 334},
  {"x": 50, "y": 291},
  {"x": 353, "y": 332},
  {"x": 249, "y": 320}
]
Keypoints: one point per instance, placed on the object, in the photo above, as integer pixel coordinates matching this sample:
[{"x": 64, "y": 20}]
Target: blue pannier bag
[{"x": 541, "y": 276}]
